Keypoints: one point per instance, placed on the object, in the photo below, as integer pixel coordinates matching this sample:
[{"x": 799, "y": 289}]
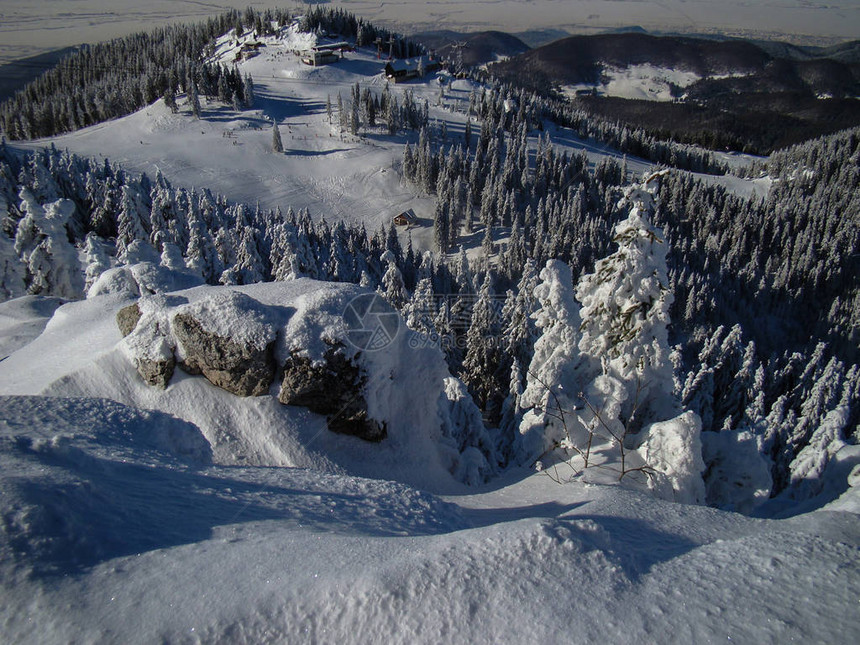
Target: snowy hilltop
[{"x": 294, "y": 350}]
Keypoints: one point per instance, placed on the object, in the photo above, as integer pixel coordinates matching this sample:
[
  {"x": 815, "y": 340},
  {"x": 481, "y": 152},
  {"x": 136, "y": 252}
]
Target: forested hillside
[
  {"x": 112, "y": 79},
  {"x": 742, "y": 310},
  {"x": 765, "y": 323}
]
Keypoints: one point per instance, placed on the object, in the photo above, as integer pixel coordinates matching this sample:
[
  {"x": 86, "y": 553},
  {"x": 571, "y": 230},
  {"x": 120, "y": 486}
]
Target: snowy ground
[
  {"x": 643, "y": 82},
  {"x": 110, "y": 537},
  {"x": 131, "y": 514}
]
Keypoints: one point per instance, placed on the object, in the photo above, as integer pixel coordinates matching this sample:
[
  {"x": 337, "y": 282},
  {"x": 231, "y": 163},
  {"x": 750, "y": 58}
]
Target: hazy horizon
[{"x": 28, "y": 28}]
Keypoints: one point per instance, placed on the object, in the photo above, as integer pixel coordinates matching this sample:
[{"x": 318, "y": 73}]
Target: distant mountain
[
  {"x": 477, "y": 48},
  {"x": 717, "y": 92},
  {"x": 582, "y": 59}
]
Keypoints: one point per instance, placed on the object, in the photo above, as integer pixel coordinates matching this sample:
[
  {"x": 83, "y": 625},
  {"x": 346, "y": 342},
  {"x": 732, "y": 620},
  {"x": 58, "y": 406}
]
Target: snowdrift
[
  {"x": 82, "y": 354},
  {"x": 190, "y": 514}
]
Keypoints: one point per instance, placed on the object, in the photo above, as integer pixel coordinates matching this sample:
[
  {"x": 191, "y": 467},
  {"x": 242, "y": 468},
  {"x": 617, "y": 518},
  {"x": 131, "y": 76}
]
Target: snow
[
  {"x": 113, "y": 532},
  {"x": 673, "y": 449},
  {"x": 23, "y": 319},
  {"x": 231, "y": 314},
  {"x": 132, "y": 514},
  {"x": 335, "y": 175},
  {"x": 739, "y": 477},
  {"x": 81, "y": 354},
  {"x": 190, "y": 515},
  {"x": 647, "y": 82}
]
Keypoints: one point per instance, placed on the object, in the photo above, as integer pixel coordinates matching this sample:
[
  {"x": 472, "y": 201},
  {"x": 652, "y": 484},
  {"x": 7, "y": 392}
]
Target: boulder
[
  {"x": 148, "y": 344},
  {"x": 332, "y": 387},
  {"x": 240, "y": 368},
  {"x": 127, "y": 319},
  {"x": 156, "y": 373}
]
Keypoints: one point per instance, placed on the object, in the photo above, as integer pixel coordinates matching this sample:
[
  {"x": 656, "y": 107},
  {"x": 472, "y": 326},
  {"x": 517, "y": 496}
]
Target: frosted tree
[
  {"x": 11, "y": 271},
  {"x": 248, "y": 91},
  {"x": 97, "y": 258},
  {"x": 132, "y": 223},
  {"x": 51, "y": 260},
  {"x": 201, "y": 256},
  {"x": 808, "y": 469},
  {"x": 163, "y": 211},
  {"x": 481, "y": 362},
  {"x": 277, "y": 144},
  {"x": 421, "y": 309},
  {"x": 625, "y": 312},
  {"x": 392, "y": 287},
  {"x": 193, "y": 98},
  {"x": 519, "y": 333},
  {"x": 557, "y": 372}
]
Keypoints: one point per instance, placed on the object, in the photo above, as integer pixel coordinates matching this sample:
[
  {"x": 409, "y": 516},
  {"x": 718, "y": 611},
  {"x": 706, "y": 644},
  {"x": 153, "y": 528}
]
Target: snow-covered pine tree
[
  {"x": 277, "y": 144},
  {"x": 483, "y": 352},
  {"x": 625, "y": 312},
  {"x": 98, "y": 260},
  {"x": 248, "y": 91},
  {"x": 392, "y": 287},
  {"x": 12, "y": 282},
  {"x": 132, "y": 223},
  {"x": 51, "y": 260},
  {"x": 558, "y": 372}
]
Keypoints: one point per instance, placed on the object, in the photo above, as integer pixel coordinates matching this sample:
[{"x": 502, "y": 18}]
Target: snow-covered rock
[
  {"x": 141, "y": 279},
  {"x": 333, "y": 387},
  {"x": 230, "y": 339},
  {"x": 430, "y": 441}
]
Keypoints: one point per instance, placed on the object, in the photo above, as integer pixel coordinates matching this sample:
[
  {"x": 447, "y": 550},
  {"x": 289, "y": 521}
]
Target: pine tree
[
  {"x": 393, "y": 288},
  {"x": 132, "y": 223},
  {"x": 277, "y": 144},
  {"x": 248, "y": 91},
  {"x": 625, "y": 312},
  {"x": 194, "y": 98},
  {"x": 558, "y": 372}
]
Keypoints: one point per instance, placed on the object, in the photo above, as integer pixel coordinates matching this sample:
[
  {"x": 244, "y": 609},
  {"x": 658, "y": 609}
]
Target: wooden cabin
[
  {"x": 315, "y": 57},
  {"x": 403, "y": 70},
  {"x": 406, "y": 218}
]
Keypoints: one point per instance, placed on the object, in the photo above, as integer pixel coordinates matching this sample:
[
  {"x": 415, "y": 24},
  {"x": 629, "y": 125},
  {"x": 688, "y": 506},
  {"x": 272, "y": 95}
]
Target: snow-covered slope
[
  {"x": 334, "y": 174},
  {"x": 133, "y": 514},
  {"x": 81, "y": 354},
  {"x": 116, "y": 528}
]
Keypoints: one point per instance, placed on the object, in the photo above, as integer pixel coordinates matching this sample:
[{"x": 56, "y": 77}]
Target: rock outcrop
[
  {"x": 148, "y": 340},
  {"x": 127, "y": 319},
  {"x": 155, "y": 372},
  {"x": 242, "y": 369},
  {"x": 333, "y": 387}
]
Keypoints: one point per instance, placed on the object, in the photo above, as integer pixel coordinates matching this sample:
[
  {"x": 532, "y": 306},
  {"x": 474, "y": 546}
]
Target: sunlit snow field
[{"x": 191, "y": 515}]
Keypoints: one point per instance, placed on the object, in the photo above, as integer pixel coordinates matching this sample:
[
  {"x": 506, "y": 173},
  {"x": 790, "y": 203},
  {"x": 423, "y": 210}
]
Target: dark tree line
[
  {"x": 341, "y": 23},
  {"x": 634, "y": 141}
]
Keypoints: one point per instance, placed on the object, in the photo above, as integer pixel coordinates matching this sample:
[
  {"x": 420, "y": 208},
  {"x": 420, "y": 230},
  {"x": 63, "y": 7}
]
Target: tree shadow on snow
[
  {"x": 82, "y": 510},
  {"x": 631, "y": 544}
]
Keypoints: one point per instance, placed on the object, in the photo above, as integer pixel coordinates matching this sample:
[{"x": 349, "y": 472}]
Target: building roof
[{"x": 410, "y": 65}]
